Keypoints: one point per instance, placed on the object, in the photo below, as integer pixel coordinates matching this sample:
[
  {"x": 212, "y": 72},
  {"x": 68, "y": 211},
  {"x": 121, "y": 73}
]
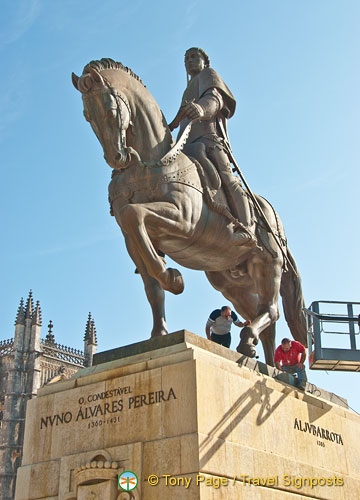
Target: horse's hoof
[
  {"x": 174, "y": 282},
  {"x": 247, "y": 349},
  {"x": 248, "y": 333},
  {"x": 159, "y": 333}
]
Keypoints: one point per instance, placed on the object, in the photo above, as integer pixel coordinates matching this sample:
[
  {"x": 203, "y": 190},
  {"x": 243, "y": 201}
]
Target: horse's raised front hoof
[{"x": 174, "y": 281}]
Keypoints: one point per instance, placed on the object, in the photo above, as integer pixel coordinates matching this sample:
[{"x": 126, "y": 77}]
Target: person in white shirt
[{"x": 218, "y": 325}]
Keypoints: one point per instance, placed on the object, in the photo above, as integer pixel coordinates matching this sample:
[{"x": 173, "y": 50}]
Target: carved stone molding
[{"x": 96, "y": 471}]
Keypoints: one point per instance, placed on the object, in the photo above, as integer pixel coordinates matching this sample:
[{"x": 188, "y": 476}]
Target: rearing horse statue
[{"x": 164, "y": 204}]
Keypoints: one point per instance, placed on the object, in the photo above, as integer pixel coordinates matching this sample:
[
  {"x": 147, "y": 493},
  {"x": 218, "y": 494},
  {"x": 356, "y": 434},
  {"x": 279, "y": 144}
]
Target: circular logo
[{"x": 128, "y": 480}]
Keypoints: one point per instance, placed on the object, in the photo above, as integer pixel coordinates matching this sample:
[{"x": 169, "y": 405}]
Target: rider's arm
[
  {"x": 211, "y": 103},
  {"x": 206, "y": 107}
]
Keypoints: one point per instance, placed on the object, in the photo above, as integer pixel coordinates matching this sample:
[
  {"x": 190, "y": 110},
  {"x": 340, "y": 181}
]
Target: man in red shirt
[{"x": 292, "y": 355}]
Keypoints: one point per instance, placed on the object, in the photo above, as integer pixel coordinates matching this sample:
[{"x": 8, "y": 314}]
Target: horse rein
[{"x": 168, "y": 158}]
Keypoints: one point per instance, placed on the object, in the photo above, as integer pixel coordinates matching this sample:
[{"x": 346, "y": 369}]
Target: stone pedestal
[{"x": 203, "y": 421}]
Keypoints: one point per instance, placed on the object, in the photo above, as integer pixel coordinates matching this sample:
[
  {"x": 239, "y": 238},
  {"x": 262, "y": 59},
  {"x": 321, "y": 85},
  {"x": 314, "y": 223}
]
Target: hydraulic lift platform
[{"x": 329, "y": 332}]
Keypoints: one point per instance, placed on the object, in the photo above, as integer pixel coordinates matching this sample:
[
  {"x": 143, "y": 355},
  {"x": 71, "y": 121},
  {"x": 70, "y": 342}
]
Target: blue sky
[{"x": 293, "y": 68}]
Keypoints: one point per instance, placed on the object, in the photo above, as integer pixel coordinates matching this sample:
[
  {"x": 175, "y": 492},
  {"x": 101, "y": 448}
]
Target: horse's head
[
  {"x": 114, "y": 97},
  {"x": 109, "y": 114}
]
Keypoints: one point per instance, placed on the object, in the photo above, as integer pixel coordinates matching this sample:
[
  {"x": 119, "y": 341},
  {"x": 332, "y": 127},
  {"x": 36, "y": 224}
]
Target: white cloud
[
  {"x": 16, "y": 18},
  {"x": 12, "y": 100}
]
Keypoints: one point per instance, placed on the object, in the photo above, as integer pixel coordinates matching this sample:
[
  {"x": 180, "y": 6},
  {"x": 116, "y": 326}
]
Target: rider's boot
[
  {"x": 244, "y": 227},
  {"x": 238, "y": 201}
]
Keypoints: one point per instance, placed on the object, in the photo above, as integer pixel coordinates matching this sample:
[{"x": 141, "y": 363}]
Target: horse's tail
[{"x": 293, "y": 301}]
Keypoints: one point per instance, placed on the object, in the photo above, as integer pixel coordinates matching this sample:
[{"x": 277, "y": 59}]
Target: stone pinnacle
[
  {"x": 29, "y": 306},
  {"x": 20, "y": 317}
]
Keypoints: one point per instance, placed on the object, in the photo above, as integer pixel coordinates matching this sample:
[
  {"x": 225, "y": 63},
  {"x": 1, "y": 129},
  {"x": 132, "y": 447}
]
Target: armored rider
[{"x": 209, "y": 102}]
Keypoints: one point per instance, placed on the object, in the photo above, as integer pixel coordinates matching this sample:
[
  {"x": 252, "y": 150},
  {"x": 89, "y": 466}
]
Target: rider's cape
[{"x": 207, "y": 79}]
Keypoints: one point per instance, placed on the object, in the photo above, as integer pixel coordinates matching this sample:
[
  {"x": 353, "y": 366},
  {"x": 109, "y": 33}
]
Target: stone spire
[
  {"x": 90, "y": 341},
  {"x": 88, "y": 329},
  {"x": 92, "y": 338},
  {"x": 29, "y": 306},
  {"x": 20, "y": 317},
  {"x": 36, "y": 318},
  {"x": 50, "y": 338}
]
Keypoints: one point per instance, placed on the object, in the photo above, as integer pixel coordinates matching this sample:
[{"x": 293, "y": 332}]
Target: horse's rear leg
[
  {"x": 267, "y": 338},
  {"x": 267, "y": 282},
  {"x": 244, "y": 302}
]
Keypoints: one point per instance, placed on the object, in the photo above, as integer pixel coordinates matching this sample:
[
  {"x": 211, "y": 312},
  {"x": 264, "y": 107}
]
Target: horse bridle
[
  {"x": 167, "y": 159},
  {"x": 121, "y": 98}
]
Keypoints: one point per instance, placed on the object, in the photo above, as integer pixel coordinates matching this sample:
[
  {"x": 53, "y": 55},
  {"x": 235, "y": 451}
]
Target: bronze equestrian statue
[
  {"x": 209, "y": 103},
  {"x": 181, "y": 199}
]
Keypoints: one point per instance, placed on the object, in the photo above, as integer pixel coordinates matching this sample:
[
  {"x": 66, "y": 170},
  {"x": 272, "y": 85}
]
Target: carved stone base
[{"x": 200, "y": 420}]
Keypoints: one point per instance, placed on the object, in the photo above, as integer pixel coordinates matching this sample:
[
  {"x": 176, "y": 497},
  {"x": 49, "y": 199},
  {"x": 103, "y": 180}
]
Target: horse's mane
[{"x": 107, "y": 63}]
